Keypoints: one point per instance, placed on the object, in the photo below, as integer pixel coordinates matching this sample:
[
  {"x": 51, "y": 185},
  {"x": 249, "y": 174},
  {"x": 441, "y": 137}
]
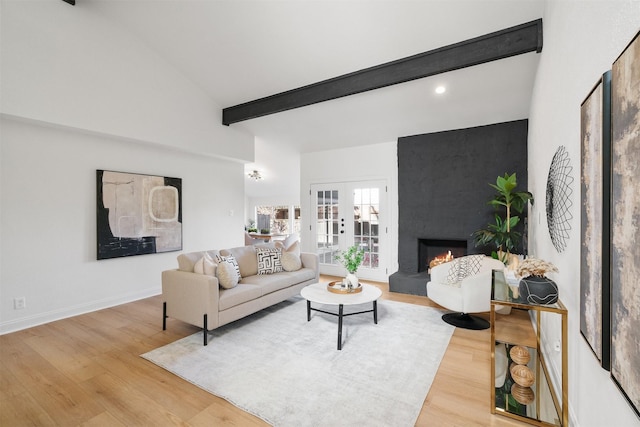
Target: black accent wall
[{"x": 443, "y": 184}]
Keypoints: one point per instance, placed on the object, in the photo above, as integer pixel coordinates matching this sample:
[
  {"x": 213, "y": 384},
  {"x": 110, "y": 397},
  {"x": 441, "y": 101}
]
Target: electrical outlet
[{"x": 19, "y": 303}]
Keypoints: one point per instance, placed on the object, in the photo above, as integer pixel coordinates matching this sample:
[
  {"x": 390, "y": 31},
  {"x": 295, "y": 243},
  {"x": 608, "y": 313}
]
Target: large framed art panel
[
  {"x": 595, "y": 169},
  {"x": 137, "y": 214},
  {"x": 625, "y": 222}
]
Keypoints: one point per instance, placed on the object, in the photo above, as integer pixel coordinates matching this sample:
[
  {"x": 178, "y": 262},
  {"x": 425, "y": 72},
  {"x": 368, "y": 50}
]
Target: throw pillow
[
  {"x": 290, "y": 240},
  {"x": 227, "y": 275},
  {"x": 294, "y": 248},
  {"x": 464, "y": 267},
  {"x": 268, "y": 260},
  {"x": 205, "y": 265},
  {"x": 291, "y": 257},
  {"x": 232, "y": 260},
  {"x": 290, "y": 261}
]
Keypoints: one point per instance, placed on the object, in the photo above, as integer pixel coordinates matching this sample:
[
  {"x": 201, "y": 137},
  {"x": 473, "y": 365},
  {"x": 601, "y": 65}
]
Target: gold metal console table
[{"x": 538, "y": 404}]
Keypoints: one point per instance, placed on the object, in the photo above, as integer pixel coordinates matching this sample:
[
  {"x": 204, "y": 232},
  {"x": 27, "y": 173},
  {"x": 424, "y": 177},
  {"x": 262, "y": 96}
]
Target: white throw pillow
[
  {"x": 291, "y": 257},
  {"x": 290, "y": 240},
  {"x": 294, "y": 248},
  {"x": 205, "y": 265},
  {"x": 268, "y": 260},
  {"x": 229, "y": 258},
  {"x": 290, "y": 261},
  {"x": 227, "y": 275}
]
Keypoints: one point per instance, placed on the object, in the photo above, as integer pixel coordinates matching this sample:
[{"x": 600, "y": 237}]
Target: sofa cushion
[
  {"x": 238, "y": 295},
  {"x": 268, "y": 260},
  {"x": 227, "y": 275},
  {"x": 231, "y": 259},
  {"x": 246, "y": 258},
  {"x": 205, "y": 265},
  {"x": 273, "y": 282}
]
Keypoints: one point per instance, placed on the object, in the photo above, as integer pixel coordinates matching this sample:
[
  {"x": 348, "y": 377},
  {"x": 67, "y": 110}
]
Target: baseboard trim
[{"x": 38, "y": 319}]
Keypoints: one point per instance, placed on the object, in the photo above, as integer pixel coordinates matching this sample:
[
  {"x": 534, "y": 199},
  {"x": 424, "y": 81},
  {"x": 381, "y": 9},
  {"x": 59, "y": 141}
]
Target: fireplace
[
  {"x": 429, "y": 249},
  {"x": 443, "y": 188}
]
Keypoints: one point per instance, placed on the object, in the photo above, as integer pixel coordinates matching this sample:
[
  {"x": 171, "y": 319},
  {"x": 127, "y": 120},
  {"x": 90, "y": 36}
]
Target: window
[{"x": 279, "y": 219}]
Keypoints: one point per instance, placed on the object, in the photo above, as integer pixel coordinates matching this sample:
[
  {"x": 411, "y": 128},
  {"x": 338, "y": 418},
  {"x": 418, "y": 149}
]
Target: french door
[{"x": 346, "y": 214}]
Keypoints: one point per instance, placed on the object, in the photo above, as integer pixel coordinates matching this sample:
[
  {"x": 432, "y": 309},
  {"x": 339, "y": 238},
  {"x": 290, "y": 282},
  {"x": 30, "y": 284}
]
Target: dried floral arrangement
[{"x": 535, "y": 267}]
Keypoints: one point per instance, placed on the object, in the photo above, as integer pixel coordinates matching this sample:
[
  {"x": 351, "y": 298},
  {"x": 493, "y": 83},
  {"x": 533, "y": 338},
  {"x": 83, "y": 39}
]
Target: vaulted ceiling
[{"x": 242, "y": 50}]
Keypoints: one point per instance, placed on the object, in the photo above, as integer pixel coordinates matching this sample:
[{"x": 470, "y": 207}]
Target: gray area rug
[{"x": 288, "y": 372}]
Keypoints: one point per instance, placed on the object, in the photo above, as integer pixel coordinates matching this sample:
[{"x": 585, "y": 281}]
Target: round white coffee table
[{"x": 318, "y": 293}]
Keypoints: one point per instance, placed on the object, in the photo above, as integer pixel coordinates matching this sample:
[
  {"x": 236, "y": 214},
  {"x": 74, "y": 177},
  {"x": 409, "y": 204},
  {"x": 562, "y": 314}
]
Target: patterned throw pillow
[
  {"x": 227, "y": 275},
  {"x": 232, "y": 260},
  {"x": 462, "y": 268},
  {"x": 269, "y": 261}
]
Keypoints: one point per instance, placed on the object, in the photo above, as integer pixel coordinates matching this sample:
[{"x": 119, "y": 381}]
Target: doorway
[{"x": 347, "y": 214}]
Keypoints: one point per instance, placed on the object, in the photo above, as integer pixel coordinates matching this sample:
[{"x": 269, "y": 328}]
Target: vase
[
  {"x": 538, "y": 290},
  {"x": 351, "y": 280}
]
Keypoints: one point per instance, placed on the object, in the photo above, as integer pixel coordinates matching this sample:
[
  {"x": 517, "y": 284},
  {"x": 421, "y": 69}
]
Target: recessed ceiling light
[{"x": 441, "y": 90}]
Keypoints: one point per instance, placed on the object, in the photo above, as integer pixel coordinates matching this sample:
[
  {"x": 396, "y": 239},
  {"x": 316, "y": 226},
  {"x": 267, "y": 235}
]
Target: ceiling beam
[{"x": 512, "y": 41}]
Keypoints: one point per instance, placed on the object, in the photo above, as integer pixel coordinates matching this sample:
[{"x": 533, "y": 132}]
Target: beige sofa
[{"x": 199, "y": 299}]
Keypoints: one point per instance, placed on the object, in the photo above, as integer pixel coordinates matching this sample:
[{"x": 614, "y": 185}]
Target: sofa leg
[
  {"x": 204, "y": 329},
  {"x": 164, "y": 316}
]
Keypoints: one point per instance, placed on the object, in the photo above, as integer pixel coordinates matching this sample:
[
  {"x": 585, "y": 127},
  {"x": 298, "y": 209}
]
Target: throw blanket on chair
[{"x": 464, "y": 267}]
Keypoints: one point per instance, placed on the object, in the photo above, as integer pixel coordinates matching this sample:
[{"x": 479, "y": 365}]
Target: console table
[{"x": 539, "y": 404}]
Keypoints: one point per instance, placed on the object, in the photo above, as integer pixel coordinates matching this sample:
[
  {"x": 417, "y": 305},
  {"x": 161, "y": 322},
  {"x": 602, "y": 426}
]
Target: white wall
[
  {"x": 581, "y": 41},
  {"x": 69, "y": 66},
  {"x": 371, "y": 162},
  {"x": 80, "y": 94},
  {"x": 48, "y": 227},
  {"x": 279, "y": 165}
]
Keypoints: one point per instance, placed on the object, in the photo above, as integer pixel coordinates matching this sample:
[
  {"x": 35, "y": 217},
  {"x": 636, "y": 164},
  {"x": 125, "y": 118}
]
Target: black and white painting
[{"x": 137, "y": 214}]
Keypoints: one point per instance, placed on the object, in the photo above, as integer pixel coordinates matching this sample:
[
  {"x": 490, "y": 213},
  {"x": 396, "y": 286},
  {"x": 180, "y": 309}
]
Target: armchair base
[{"x": 465, "y": 321}]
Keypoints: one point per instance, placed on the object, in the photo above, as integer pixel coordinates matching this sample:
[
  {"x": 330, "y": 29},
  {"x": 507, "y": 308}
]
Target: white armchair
[{"x": 464, "y": 286}]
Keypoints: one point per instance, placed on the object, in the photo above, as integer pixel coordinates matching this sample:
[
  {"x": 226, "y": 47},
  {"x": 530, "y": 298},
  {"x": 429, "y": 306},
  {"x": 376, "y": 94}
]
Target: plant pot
[
  {"x": 351, "y": 280},
  {"x": 538, "y": 290}
]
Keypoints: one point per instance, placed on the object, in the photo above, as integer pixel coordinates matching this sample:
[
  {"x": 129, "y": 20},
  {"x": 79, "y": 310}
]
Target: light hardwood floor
[{"x": 87, "y": 371}]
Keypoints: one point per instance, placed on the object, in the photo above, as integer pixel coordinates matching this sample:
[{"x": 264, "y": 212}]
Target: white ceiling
[{"x": 242, "y": 50}]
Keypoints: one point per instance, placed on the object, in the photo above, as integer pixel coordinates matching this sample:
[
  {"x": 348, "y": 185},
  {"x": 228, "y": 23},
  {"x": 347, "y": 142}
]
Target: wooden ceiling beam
[{"x": 512, "y": 41}]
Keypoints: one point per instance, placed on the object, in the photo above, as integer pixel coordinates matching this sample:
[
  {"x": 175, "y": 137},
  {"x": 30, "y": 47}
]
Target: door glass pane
[
  {"x": 327, "y": 227},
  {"x": 366, "y": 205}
]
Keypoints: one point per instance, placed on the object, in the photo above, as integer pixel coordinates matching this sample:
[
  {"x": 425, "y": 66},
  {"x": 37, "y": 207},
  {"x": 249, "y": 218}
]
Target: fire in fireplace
[
  {"x": 440, "y": 259},
  {"x": 432, "y": 252}
]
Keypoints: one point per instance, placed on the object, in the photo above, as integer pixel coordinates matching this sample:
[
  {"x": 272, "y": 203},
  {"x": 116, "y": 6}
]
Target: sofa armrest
[
  {"x": 312, "y": 261},
  {"x": 189, "y": 296}
]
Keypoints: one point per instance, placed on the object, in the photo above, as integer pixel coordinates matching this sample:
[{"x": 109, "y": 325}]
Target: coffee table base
[{"x": 341, "y": 314}]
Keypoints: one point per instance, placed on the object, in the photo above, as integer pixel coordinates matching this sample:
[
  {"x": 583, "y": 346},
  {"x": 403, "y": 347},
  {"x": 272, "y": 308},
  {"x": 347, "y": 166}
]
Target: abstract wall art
[
  {"x": 595, "y": 170},
  {"x": 559, "y": 190},
  {"x": 137, "y": 214},
  {"x": 625, "y": 222}
]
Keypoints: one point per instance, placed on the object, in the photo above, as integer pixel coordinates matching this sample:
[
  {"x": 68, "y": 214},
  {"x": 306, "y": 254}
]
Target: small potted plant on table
[{"x": 351, "y": 259}]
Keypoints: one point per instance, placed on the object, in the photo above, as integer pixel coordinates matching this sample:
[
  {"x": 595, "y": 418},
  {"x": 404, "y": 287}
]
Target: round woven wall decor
[{"x": 559, "y": 198}]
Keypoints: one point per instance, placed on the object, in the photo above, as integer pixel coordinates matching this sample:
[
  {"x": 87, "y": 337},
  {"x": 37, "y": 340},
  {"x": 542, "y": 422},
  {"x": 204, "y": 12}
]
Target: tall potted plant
[{"x": 502, "y": 234}]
